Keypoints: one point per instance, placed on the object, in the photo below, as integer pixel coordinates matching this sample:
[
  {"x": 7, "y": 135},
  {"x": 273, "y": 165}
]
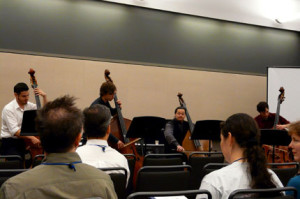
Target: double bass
[
  {"x": 286, "y": 154},
  {"x": 33, "y": 149},
  {"x": 281, "y": 153},
  {"x": 280, "y": 99},
  {"x": 188, "y": 144},
  {"x": 119, "y": 126}
]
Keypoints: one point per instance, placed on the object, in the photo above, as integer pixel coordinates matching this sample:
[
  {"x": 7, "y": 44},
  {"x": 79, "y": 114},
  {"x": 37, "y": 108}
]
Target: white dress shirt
[
  {"x": 93, "y": 154},
  {"x": 222, "y": 182},
  {"x": 12, "y": 116}
]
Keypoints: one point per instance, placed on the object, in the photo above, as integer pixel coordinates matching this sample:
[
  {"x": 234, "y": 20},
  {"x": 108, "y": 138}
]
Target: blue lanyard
[
  {"x": 102, "y": 146},
  {"x": 71, "y": 165},
  {"x": 238, "y": 160}
]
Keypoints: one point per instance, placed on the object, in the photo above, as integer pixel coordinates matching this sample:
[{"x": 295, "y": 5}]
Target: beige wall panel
[{"x": 143, "y": 90}]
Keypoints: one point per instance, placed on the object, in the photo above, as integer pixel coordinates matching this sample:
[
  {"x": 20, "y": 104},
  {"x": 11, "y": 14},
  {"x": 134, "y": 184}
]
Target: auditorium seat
[
  {"x": 5, "y": 174},
  {"x": 264, "y": 193},
  {"x": 153, "y": 194},
  {"x": 164, "y": 159},
  {"x": 11, "y": 162},
  {"x": 119, "y": 180},
  {"x": 197, "y": 160},
  {"x": 163, "y": 178}
]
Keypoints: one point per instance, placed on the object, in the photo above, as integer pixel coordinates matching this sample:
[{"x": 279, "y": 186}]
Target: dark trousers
[{"x": 11, "y": 146}]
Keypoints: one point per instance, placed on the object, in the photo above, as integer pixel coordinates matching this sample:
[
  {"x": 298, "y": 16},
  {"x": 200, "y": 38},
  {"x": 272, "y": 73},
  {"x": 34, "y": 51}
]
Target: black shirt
[{"x": 175, "y": 132}]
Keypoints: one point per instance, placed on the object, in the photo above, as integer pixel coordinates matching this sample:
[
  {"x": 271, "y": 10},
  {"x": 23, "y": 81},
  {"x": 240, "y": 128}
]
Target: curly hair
[{"x": 107, "y": 88}]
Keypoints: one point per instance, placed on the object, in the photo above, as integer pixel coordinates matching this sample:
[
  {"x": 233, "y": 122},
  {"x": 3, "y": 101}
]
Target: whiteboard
[{"x": 289, "y": 79}]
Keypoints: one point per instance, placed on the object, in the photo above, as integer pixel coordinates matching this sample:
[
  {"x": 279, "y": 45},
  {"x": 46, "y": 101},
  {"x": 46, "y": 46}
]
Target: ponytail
[{"x": 260, "y": 176}]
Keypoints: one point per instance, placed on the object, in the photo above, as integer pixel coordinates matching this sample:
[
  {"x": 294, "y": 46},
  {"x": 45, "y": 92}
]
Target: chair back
[
  {"x": 164, "y": 159},
  {"x": 197, "y": 160},
  {"x": 163, "y": 178},
  {"x": 5, "y": 174},
  {"x": 285, "y": 171},
  {"x": 119, "y": 179},
  {"x": 274, "y": 193},
  {"x": 186, "y": 193},
  {"x": 11, "y": 162},
  {"x": 37, "y": 160},
  {"x": 131, "y": 159}
]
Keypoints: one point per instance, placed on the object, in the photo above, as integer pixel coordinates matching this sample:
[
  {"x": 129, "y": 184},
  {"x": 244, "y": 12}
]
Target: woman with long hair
[
  {"x": 247, "y": 169},
  {"x": 294, "y": 132}
]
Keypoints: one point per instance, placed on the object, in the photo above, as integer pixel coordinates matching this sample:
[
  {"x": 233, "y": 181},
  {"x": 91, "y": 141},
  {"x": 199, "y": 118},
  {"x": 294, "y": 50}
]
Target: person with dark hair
[
  {"x": 294, "y": 132},
  {"x": 12, "y": 115},
  {"x": 265, "y": 119},
  {"x": 107, "y": 94},
  {"x": 175, "y": 131},
  {"x": 96, "y": 152},
  {"x": 247, "y": 169},
  {"x": 61, "y": 174}
]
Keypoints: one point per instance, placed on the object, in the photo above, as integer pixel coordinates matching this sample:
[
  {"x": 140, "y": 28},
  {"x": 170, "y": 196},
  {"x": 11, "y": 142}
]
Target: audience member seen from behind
[
  {"x": 62, "y": 174},
  {"x": 240, "y": 146},
  {"x": 96, "y": 152},
  {"x": 294, "y": 131},
  {"x": 266, "y": 120}
]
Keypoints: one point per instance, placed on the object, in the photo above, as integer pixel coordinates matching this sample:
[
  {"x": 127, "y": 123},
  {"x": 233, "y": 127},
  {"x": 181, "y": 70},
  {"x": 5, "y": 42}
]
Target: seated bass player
[
  {"x": 107, "y": 92},
  {"x": 175, "y": 131}
]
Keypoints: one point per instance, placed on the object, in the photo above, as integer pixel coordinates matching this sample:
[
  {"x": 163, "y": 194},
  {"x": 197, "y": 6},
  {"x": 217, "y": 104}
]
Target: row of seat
[
  {"x": 154, "y": 181},
  {"x": 157, "y": 176},
  {"x": 238, "y": 194}
]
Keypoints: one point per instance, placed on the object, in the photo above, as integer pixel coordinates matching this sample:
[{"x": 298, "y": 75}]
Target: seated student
[
  {"x": 265, "y": 119},
  {"x": 12, "y": 141},
  {"x": 175, "y": 131},
  {"x": 240, "y": 146},
  {"x": 294, "y": 131},
  {"x": 96, "y": 152},
  {"x": 62, "y": 174},
  {"x": 107, "y": 93}
]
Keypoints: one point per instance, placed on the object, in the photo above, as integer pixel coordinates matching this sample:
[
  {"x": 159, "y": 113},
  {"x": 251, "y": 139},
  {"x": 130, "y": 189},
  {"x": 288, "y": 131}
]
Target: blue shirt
[{"x": 294, "y": 182}]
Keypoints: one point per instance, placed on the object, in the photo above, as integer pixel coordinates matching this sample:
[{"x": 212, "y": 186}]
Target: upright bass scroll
[
  {"x": 279, "y": 101},
  {"x": 34, "y": 85}
]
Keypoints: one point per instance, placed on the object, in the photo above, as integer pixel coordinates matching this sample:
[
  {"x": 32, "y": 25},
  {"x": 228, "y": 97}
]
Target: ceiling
[{"x": 255, "y": 12}]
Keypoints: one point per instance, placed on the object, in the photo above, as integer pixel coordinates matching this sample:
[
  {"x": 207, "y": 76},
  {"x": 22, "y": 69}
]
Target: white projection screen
[{"x": 289, "y": 79}]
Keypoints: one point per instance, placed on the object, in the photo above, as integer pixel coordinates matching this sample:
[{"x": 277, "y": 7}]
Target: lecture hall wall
[{"x": 219, "y": 66}]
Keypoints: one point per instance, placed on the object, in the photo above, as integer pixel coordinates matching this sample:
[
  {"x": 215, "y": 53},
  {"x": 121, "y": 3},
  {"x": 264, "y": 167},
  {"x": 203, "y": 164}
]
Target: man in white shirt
[
  {"x": 96, "y": 152},
  {"x": 12, "y": 115}
]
